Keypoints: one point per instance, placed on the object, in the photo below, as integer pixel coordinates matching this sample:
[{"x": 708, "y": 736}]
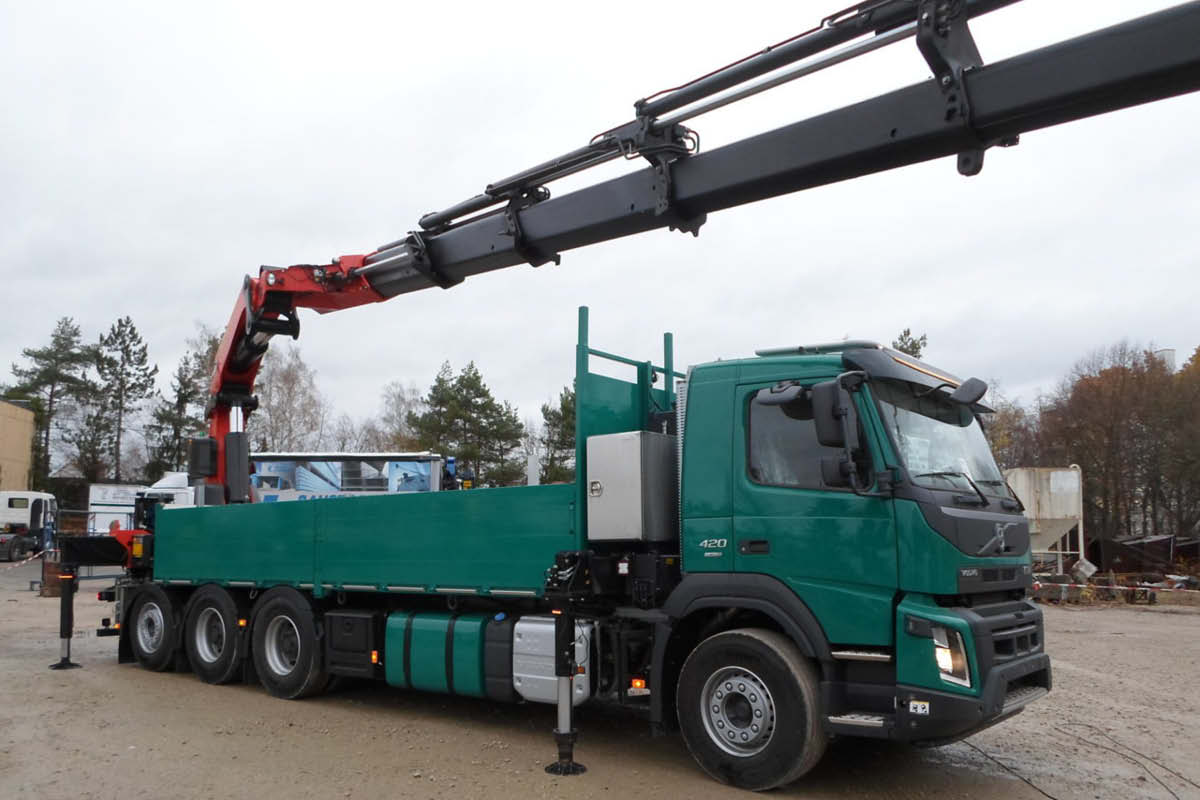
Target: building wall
[{"x": 16, "y": 446}]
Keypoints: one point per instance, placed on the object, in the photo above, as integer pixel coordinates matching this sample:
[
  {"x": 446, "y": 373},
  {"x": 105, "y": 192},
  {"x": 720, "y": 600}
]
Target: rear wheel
[
  {"x": 287, "y": 654},
  {"x": 211, "y": 635},
  {"x": 155, "y": 629},
  {"x": 749, "y": 709}
]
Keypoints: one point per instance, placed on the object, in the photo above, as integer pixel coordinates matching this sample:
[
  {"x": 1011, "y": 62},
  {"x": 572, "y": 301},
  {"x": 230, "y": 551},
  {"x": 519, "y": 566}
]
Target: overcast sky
[{"x": 152, "y": 154}]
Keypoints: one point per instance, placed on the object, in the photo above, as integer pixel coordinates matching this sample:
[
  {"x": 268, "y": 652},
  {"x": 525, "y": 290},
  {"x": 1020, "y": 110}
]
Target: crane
[{"x": 965, "y": 108}]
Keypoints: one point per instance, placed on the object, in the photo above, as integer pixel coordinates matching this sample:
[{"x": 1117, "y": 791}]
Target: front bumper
[
  {"x": 1009, "y": 670},
  {"x": 1006, "y": 693}
]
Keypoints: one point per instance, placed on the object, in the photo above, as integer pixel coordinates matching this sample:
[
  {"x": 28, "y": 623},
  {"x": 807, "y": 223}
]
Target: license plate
[{"x": 919, "y": 707}]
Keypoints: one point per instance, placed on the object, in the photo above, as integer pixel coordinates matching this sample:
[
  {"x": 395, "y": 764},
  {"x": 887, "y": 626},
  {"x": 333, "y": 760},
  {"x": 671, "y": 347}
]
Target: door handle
[{"x": 753, "y": 547}]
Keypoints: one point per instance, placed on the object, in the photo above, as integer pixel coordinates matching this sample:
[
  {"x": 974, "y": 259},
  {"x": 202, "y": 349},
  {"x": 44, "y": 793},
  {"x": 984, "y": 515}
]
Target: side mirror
[
  {"x": 828, "y": 412},
  {"x": 834, "y": 471},
  {"x": 970, "y": 392}
]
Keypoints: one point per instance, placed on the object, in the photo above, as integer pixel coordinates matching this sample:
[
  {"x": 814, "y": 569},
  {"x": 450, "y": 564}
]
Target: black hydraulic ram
[
  {"x": 563, "y": 588},
  {"x": 1145, "y": 59}
]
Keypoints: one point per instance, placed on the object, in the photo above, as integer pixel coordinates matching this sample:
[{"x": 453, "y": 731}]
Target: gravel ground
[{"x": 1120, "y": 723}]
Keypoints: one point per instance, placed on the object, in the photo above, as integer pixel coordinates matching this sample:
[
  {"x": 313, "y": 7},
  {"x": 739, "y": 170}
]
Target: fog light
[{"x": 951, "y": 656}]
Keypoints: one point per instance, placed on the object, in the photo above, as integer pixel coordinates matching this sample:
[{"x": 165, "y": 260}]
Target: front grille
[
  {"x": 1017, "y": 641},
  {"x": 990, "y": 575}
]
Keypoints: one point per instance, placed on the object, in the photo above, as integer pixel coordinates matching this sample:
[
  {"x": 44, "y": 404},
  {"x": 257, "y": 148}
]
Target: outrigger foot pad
[{"x": 566, "y": 764}]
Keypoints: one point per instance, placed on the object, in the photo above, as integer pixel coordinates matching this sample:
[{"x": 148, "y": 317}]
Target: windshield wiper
[
  {"x": 1008, "y": 503},
  {"x": 953, "y": 474}
]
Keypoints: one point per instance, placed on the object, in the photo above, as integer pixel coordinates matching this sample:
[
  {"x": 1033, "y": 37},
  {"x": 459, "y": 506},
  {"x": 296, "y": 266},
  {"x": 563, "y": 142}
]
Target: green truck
[
  {"x": 812, "y": 542},
  {"x": 762, "y": 553}
]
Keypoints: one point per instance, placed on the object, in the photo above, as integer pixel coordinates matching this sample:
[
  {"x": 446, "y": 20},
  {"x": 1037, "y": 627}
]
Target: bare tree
[
  {"x": 1011, "y": 431},
  {"x": 348, "y": 436},
  {"x": 292, "y": 414},
  {"x": 399, "y": 402}
]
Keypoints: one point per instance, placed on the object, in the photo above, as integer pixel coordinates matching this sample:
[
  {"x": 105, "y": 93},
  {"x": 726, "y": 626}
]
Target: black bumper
[{"x": 1008, "y": 689}]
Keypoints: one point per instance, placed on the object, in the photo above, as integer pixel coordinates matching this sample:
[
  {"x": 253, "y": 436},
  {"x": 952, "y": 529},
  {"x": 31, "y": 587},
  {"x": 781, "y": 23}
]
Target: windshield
[{"x": 941, "y": 442}]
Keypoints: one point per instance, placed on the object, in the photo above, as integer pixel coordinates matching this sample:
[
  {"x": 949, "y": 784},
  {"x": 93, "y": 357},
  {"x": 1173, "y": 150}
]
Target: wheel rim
[
  {"x": 738, "y": 711},
  {"x": 282, "y": 645},
  {"x": 150, "y": 627},
  {"x": 210, "y": 635}
]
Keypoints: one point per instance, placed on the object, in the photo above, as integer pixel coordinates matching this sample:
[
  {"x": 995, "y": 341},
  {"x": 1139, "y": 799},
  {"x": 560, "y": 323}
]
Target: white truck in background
[
  {"x": 16, "y": 521},
  {"x": 113, "y": 502}
]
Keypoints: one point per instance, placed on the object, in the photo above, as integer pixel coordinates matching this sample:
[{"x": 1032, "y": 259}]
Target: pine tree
[
  {"x": 557, "y": 441},
  {"x": 53, "y": 377},
  {"x": 912, "y": 345},
  {"x": 127, "y": 379},
  {"x": 175, "y": 420},
  {"x": 89, "y": 435},
  {"x": 461, "y": 418},
  {"x": 433, "y": 425}
]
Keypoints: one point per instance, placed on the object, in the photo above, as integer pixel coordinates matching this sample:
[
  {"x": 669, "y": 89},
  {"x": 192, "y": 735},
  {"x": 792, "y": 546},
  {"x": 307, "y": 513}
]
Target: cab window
[{"x": 782, "y": 447}]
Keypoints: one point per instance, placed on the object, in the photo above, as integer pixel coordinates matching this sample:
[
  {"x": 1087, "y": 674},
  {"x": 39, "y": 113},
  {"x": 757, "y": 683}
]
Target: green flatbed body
[
  {"x": 473, "y": 542},
  {"x": 480, "y": 541}
]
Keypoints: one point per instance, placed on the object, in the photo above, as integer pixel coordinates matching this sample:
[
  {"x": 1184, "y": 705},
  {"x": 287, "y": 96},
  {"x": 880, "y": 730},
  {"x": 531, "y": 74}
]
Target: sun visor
[{"x": 888, "y": 363}]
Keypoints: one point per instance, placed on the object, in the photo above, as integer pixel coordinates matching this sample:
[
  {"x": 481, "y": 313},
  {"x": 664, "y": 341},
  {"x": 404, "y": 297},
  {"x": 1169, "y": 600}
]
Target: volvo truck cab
[{"x": 859, "y": 480}]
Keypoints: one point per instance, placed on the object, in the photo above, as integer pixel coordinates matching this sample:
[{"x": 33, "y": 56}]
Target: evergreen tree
[
  {"x": 127, "y": 379},
  {"x": 912, "y": 345},
  {"x": 461, "y": 418},
  {"x": 53, "y": 377},
  {"x": 557, "y": 440},
  {"x": 499, "y": 457},
  {"x": 89, "y": 435},
  {"x": 176, "y": 420},
  {"x": 433, "y": 424}
]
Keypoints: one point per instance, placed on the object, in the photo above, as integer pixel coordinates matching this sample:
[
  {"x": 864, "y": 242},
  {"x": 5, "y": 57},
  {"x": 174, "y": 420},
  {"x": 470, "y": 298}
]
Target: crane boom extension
[{"x": 965, "y": 108}]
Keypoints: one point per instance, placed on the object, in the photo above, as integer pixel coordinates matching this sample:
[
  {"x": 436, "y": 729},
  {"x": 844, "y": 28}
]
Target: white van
[{"x": 15, "y": 510}]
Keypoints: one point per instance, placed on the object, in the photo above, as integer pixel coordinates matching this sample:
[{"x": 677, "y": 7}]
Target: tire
[
  {"x": 749, "y": 709},
  {"x": 154, "y": 628},
  {"x": 287, "y": 652},
  {"x": 211, "y": 635},
  {"x": 16, "y": 550}
]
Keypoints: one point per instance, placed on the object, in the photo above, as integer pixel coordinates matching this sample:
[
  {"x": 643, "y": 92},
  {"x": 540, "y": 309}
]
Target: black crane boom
[{"x": 1139, "y": 61}]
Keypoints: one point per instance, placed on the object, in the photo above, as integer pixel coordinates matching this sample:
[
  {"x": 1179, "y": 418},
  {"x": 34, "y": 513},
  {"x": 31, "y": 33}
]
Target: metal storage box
[
  {"x": 631, "y": 487},
  {"x": 533, "y": 660}
]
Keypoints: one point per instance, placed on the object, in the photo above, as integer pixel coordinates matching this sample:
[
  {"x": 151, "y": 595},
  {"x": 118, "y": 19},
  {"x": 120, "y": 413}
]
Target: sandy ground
[{"x": 1121, "y": 723}]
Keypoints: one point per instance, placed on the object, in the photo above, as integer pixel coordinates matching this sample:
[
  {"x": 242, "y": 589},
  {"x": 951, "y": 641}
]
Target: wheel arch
[{"x": 704, "y": 604}]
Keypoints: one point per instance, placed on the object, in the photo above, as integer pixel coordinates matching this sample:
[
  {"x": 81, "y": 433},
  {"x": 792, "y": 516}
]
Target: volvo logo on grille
[{"x": 997, "y": 543}]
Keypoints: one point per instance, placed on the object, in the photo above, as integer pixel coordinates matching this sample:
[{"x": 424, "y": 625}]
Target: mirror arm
[{"x": 852, "y": 381}]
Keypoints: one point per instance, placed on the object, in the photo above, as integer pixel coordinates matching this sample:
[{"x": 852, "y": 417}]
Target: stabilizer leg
[{"x": 66, "y": 616}]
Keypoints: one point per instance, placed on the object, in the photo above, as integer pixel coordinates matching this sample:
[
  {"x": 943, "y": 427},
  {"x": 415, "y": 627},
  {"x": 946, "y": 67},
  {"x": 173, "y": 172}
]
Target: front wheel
[{"x": 749, "y": 709}]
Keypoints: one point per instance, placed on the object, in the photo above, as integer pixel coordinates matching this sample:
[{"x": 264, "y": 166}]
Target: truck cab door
[{"x": 834, "y": 548}]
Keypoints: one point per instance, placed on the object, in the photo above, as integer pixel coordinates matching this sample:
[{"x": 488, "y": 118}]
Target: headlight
[{"x": 951, "y": 655}]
